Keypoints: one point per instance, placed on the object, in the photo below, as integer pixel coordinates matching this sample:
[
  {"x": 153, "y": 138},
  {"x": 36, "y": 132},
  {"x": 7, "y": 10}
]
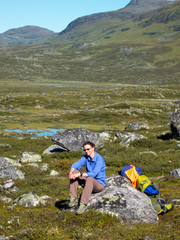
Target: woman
[{"x": 92, "y": 180}]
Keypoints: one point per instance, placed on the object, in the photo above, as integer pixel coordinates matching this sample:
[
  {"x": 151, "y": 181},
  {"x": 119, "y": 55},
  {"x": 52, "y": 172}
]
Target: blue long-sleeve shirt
[{"x": 95, "y": 168}]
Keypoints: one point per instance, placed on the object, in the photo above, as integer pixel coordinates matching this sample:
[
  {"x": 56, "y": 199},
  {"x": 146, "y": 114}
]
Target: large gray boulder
[
  {"x": 175, "y": 124},
  {"x": 73, "y": 139},
  {"x": 120, "y": 199},
  {"x": 8, "y": 171}
]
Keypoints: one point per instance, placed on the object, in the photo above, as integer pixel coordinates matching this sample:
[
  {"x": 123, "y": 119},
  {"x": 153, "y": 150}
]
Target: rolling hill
[{"x": 27, "y": 35}]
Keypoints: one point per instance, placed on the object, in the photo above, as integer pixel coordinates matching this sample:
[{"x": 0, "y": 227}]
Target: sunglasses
[{"x": 87, "y": 149}]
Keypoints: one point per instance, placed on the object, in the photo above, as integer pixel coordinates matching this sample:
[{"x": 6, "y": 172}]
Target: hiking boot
[
  {"x": 81, "y": 209},
  {"x": 73, "y": 202}
]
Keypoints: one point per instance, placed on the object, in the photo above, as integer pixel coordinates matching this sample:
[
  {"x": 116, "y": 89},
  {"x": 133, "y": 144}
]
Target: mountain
[
  {"x": 27, "y": 35},
  {"x": 135, "y": 8},
  {"x": 125, "y": 46}
]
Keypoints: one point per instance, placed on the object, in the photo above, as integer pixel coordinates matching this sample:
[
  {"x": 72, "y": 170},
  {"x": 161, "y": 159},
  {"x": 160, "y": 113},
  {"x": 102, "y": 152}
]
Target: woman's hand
[{"x": 73, "y": 174}]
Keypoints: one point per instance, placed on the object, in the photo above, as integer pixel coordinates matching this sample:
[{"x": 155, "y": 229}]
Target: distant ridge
[
  {"x": 134, "y": 8},
  {"x": 37, "y": 31},
  {"x": 24, "y": 35}
]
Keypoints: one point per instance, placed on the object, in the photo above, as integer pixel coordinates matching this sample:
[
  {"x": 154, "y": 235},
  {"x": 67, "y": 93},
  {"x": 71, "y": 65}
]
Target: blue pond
[{"x": 48, "y": 132}]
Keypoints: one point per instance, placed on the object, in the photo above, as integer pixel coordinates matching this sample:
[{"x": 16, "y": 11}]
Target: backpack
[
  {"x": 161, "y": 206},
  {"x": 132, "y": 173},
  {"x": 145, "y": 185}
]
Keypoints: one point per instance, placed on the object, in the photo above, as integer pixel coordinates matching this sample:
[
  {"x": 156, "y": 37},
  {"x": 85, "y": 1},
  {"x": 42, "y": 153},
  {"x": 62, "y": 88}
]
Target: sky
[{"x": 54, "y": 15}]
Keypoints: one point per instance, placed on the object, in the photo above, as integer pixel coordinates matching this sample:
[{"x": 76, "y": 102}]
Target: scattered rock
[
  {"x": 35, "y": 165},
  {"x": 128, "y": 137},
  {"x": 148, "y": 152},
  {"x": 44, "y": 167},
  {"x": 73, "y": 139},
  {"x": 43, "y": 199},
  {"x": 137, "y": 126},
  {"x": 28, "y": 157},
  {"x": 12, "y": 162},
  {"x": 54, "y": 149},
  {"x": 177, "y": 102},
  {"x": 54, "y": 173},
  {"x": 105, "y": 136},
  {"x": 8, "y": 184},
  {"x": 2, "y": 145},
  {"x": 29, "y": 200},
  {"x": 175, "y": 173},
  {"x": 24, "y": 232},
  {"x": 176, "y": 202},
  {"x": 156, "y": 178},
  {"x": 149, "y": 238},
  {"x": 39, "y": 107},
  {"x": 9, "y": 98},
  {"x": 6, "y": 170},
  {"x": 175, "y": 124},
  {"x": 14, "y": 189},
  {"x": 5, "y": 199}
]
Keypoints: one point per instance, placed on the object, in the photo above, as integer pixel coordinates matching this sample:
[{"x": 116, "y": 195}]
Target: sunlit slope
[{"x": 136, "y": 51}]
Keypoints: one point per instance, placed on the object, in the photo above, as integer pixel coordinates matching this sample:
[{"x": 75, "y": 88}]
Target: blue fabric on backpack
[
  {"x": 127, "y": 167},
  {"x": 151, "y": 190}
]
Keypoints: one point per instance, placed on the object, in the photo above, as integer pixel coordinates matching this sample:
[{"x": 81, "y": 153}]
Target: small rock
[
  {"x": 54, "y": 149},
  {"x": 44, "y": 167},
  {"x": 5, "y": 199},
  {"x": 30, "y": 199},
  {"x": 2, "y": 145},
  {"x": 137, "y": 126},
  {"x": 27, "y": 200},
  {"x": 8, "y": 171},
  {"x": 27, "y": 157},
  {"x": 54, "y": 173},
  {"x": 9, "y": 98},
  {"x": 12, "y": 162},
  {"x": 149, "y": 152},
  {"x": 149, "y": 238},
  {"x": 176, "y": 202},
  {"x": 128, "y": 137},
  {"x": 35, "y": 165},
  {"x": 8, "y": 184},
  {"x": 175, "y": 173},
  {"x": 14, "y": 189},
  {"x": 105, "y": 136}
]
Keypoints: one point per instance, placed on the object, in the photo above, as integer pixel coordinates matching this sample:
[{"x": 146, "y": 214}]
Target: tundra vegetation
[
  {"x": 99, "y": 76},
  {"x": 96, "y": 107}
]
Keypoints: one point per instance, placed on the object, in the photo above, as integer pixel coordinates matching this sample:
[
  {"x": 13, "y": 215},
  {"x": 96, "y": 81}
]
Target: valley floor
[{"x": 96, "y": 107}]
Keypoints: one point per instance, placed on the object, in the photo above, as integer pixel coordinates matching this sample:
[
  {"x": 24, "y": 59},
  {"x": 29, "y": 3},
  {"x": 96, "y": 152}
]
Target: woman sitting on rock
[{"x": 93, "y": 180}]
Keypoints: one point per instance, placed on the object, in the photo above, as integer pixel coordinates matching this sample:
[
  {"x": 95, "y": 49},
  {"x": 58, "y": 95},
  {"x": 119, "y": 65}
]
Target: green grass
[{"x": 95, "y": 107}]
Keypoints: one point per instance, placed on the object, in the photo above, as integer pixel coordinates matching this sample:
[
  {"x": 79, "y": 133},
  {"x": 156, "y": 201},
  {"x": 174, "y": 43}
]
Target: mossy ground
[{"x": 95, "y": 107}]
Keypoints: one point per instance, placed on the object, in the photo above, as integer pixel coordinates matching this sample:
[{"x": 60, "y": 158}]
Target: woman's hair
[{"x": 89, "y": 143}]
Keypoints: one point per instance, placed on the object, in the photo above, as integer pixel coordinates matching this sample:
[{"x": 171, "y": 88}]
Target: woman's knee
[{"x": 90, "y": 180}]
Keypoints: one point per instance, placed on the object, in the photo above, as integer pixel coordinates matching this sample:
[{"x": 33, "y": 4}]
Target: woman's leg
[{"x": 91, "y": 185}]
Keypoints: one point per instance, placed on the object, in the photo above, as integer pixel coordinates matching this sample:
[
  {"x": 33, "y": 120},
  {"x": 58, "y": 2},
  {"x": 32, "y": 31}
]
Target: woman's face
[{"x": 88, "y": 149}]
